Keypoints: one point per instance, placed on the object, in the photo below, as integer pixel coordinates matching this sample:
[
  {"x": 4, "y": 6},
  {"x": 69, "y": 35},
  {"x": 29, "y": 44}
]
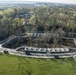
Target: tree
[{"x": 1, "y": 14}]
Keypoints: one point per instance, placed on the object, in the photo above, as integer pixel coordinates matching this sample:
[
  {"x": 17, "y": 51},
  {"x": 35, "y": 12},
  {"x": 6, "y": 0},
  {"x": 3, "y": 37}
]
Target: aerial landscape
[{"x": 37, "y": 38}]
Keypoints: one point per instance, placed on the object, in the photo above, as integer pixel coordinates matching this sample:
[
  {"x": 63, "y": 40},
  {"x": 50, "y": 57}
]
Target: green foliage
[
  {"x": 49, "y": 18},
  {"x": 9, "y": 12},
  {"x": 15, "y": 65}
]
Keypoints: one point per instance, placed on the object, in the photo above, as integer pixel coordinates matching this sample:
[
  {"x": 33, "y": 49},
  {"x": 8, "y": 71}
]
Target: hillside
[{"x": 14, "y": 65}]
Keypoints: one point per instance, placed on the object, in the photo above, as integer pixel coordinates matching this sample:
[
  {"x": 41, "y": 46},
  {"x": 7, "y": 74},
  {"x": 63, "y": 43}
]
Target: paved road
[{"x": 14, "y": 52}]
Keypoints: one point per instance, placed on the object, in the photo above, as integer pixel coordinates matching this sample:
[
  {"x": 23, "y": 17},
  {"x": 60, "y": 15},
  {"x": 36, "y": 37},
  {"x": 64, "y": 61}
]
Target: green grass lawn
[{"x": 15, "y": 65}]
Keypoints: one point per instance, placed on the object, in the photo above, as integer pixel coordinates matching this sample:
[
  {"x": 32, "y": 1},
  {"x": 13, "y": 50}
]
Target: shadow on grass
[{"x": 1, "y": 54}]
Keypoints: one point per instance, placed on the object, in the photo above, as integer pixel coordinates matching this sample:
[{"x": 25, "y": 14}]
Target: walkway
[{"x": 26, "y": 48}]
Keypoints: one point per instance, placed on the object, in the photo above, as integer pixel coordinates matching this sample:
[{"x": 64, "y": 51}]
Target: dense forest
[{"x": 55, "y": 19}]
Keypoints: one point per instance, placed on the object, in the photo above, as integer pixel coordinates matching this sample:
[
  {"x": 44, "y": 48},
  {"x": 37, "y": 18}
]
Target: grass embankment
[{"x": 15, "y": 65}]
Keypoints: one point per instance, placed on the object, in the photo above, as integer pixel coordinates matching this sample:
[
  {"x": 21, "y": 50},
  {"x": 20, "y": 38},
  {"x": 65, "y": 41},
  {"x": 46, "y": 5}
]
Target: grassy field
[{"x": 14, "y": 65}]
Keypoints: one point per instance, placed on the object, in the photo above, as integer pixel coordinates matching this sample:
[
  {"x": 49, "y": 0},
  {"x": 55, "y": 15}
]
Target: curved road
[{"x": 15, "y": 52}]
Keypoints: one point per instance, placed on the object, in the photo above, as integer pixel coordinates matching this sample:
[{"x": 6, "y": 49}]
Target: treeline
[
  {"x": 12, "y": 21},
  {"x": 55, "y": 19}
]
